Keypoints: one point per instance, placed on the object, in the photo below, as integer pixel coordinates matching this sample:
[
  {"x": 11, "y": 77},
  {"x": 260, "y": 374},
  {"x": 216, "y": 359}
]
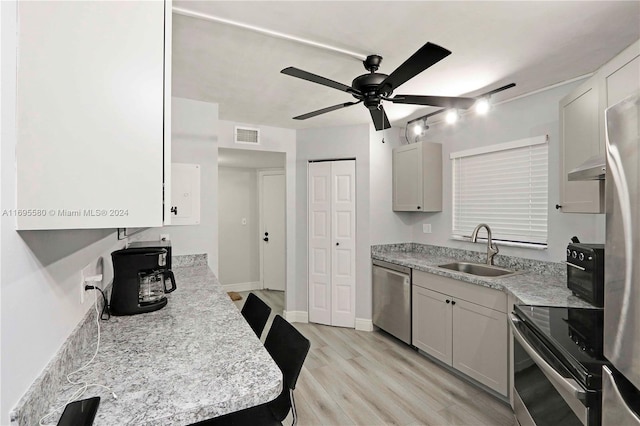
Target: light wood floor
[{"x": 369, "y": 378}]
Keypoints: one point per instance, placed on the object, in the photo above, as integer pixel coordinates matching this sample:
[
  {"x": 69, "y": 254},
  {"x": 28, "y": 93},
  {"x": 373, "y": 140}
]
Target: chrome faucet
[{"x": 492, "y": 249}]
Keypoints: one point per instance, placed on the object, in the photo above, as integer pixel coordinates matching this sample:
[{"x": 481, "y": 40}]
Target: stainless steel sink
[{"x": 479, "y": 269}]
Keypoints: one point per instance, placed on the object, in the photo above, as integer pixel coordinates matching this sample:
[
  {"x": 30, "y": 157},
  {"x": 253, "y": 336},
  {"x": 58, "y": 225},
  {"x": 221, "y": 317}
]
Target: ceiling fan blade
[
  {"x": 425, "y": 57},
  {"x": 379, "y": 117},
  {"x": 437, "y": 101},
  {"x": 295, "y": 72},
  {"x": 323, "y": 110}
]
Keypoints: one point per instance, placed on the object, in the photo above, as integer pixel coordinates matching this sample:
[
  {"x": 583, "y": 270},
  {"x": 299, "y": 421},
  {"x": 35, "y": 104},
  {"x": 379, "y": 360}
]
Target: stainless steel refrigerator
[{"x": 621, "y": 383}]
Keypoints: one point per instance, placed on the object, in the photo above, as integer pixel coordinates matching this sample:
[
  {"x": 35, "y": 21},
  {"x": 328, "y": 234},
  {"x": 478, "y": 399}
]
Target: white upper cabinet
[
  {"x": 417, "y": 177},
  {"x": 580, "y": 140},
  {"x": 93, "y": 114},
  {"x": 582, "y": 126}
]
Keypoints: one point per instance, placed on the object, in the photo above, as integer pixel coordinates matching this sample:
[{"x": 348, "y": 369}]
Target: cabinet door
[
  {"x": 623, "y": 82},
  {"x": 90, "y": 112},
  {"x": 407, "y": 178},
  {"x": 580, "y": 140},
  {"x": 480, "y": 344},
  {"x": 432, "y": 323}
]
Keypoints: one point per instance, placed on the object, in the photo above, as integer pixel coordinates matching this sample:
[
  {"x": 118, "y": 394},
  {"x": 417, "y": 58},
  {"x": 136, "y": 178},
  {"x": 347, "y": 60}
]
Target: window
[{"x": 506, "y": 187}]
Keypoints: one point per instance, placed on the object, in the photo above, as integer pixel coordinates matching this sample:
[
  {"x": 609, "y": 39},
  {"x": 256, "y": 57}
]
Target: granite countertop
[
  {"x": 529, "y": 287},
  {"x": 192, "y": 360}
]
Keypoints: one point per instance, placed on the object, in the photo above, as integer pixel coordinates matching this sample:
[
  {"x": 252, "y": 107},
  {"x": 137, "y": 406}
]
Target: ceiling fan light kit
[{"x": 373, "y": 88}]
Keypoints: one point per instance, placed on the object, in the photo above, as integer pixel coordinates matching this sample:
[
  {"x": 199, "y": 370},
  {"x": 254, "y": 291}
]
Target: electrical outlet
[
  {"x": 426, "y": 228},
  {"x": 93, "y": 269}
]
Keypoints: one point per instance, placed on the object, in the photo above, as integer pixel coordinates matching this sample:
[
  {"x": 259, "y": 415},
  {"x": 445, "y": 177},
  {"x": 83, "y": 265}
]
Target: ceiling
[
  {"x": 229, "y": 157},
  {"x": 534, "y": 44}
]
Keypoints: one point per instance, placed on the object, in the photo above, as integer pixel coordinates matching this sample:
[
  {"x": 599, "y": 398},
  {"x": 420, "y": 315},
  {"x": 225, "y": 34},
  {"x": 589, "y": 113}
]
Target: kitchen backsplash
[{"x": 509, "y": 262}]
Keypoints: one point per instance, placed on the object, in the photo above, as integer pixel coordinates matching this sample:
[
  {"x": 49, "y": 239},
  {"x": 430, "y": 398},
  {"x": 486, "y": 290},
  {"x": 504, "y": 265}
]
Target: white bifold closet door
[{"x": 332, "y": 242}]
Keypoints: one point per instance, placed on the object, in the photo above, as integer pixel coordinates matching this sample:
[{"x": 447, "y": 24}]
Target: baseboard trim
[
  {"x": 364, "y": 324},
  {"x": 296, "y": 316},
  {"x": 254, "y": 285}
]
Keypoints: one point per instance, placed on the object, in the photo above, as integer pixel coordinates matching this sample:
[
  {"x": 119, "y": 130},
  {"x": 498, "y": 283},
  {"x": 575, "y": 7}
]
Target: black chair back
[
  {"x": 256, "y": 312},
  {"x": 288, "y": 348}
]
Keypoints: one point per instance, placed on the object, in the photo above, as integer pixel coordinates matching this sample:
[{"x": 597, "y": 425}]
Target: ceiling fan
[{"x": 374, "y": 87}]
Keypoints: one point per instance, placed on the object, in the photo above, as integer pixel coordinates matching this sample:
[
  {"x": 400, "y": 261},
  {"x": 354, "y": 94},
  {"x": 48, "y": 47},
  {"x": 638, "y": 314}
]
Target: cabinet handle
[
  {"x": 558, "y": 206},
  {"x": 418, "y": 207},
  {"x": 337, "y": 244},
  {"x": 174, "y": 210},
  {"x": 453, "y": 302},
  {"x": 448, "y": 301}
]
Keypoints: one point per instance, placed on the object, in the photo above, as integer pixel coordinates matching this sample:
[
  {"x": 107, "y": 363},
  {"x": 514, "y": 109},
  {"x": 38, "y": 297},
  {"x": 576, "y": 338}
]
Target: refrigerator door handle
[{"x": 615, "y": 411}]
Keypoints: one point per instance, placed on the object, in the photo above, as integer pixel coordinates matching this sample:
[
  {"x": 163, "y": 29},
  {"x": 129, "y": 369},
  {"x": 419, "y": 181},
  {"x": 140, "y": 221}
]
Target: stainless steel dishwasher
[{"x": 392, "y": 299}]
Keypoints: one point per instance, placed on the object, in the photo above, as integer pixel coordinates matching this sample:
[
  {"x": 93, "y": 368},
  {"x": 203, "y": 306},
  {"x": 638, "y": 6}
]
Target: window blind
[{"x": 504, "y": 186}]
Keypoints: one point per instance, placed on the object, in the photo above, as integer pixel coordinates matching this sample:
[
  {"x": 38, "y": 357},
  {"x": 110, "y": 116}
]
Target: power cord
[
  {"x": 83, "y": 385},
  {"x": 105, "y": 315}
]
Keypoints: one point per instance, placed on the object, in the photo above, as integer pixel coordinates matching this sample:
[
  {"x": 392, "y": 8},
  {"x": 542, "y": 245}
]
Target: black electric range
[
  {"x": 558, "y": 360},
  {"x": 574, "y": 336}
]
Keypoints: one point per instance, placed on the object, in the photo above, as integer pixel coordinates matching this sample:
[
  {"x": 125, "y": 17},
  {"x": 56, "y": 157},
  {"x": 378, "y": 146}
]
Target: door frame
[{"x": 260, "y": 173}]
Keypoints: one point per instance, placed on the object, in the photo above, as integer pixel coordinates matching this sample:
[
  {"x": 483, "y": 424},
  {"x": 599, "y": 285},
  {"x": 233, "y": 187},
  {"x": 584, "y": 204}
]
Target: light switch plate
[{"x": 426, "y": 228}]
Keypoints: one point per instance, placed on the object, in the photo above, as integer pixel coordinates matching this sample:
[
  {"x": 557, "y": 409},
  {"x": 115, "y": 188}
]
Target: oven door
[{"x": 545, "y": 394}]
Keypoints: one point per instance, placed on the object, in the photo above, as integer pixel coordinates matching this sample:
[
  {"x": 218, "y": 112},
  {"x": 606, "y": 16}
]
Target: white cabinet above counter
[
  {"x": 93, "y": 115},
  {"x": 582, "y": 128},
  {"x": 417, "y": 177}
]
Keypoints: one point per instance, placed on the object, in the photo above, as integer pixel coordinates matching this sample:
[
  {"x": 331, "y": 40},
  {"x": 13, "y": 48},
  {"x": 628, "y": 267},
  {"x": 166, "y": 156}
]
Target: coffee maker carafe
[{"x": 139, "y": 280}]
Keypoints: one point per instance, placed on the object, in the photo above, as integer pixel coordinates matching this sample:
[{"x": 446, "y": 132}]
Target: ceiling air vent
[{"x": 247, "y": 135}]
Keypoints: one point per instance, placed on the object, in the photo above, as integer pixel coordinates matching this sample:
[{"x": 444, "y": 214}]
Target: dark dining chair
[
  {"x": 256, "y": 312},
  {"x": 288, "y": 348}
]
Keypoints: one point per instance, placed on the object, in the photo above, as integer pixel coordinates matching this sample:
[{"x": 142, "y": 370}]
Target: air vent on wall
[{"x": 247, "y": 135}]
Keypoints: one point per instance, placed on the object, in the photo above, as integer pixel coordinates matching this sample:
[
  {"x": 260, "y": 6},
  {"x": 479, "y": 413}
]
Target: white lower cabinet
[
  {"x": 464, "y": 326},
  {"x": 432, "y": 323}
]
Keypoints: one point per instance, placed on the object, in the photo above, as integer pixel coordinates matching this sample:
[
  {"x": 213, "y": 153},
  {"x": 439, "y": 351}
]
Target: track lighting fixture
[
  {"x": 482, "y": 105},
  {"x": 452, "y": 116}
]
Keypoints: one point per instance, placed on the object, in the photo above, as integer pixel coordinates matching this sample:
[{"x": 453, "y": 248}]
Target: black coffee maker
[{"x": 140, "y": 275}]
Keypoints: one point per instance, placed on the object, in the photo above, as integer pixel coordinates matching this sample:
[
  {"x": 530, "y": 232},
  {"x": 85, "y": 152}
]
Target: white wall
[
  {"x": 40, "y": 277},
  {"x": 275, "y": 139},
  {"x": 533, "y": 115},
  {"x": 240, "y": 254},
  {"x": 325, "y": 144},
  {"x": 194, "y": 128}
]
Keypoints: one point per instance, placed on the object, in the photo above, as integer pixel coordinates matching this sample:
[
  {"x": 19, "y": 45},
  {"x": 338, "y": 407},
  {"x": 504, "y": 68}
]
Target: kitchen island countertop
[
  {"x": 528, "y": 287},
  {"x": 192, "y": 360}
]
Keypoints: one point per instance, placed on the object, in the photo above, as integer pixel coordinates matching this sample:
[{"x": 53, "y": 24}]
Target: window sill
[{"x": 504, "y": 243}]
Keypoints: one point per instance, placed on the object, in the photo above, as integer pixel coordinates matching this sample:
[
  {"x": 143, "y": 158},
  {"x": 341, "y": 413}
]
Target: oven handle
[
  {"x": 570, "y": 385},
  {"x": 575, "y": 266}
]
